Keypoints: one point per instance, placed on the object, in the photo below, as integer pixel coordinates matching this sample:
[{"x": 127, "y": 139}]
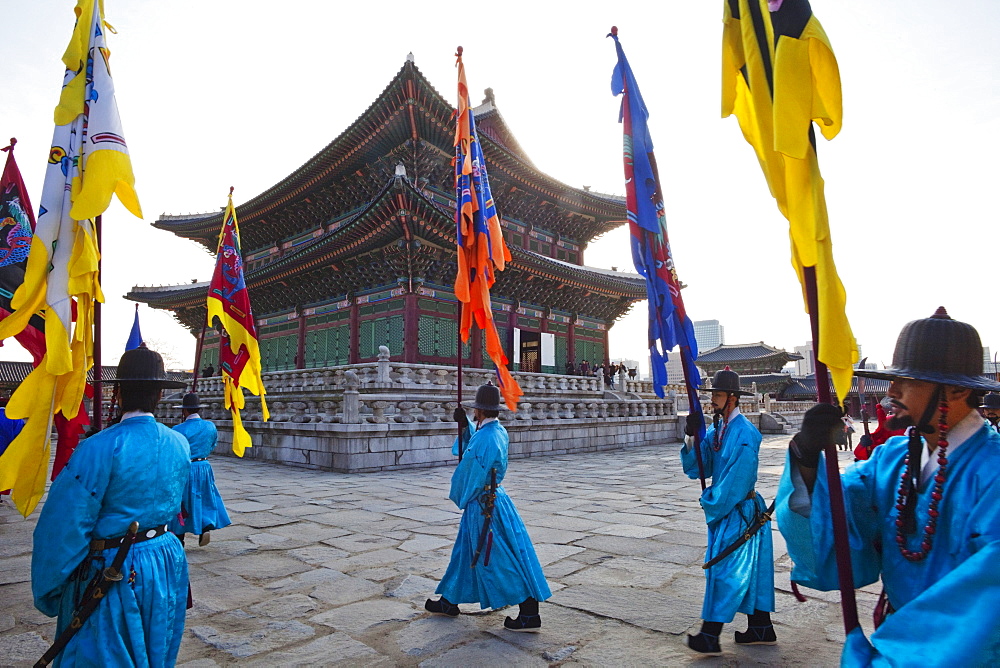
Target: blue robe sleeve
[
  {"x": 954, "y": 621},
  {"x": 63, "y": 533},
  {"x": 466, "y": 437},
  {"x": 806, "y": 523},
  {"x": 473, "y": 473},
  {"x": 731, "y": 485},
  {"x": 689, "y": 460}
]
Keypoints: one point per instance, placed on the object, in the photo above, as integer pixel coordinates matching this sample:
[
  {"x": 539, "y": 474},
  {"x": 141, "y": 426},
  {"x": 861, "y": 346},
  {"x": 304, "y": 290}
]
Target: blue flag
[
  {"x": 135, "y": 336},
  {"x": 669, "y": 325}
]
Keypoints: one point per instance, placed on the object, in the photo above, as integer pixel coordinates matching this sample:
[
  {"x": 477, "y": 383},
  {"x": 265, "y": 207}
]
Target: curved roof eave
[
  {"x": 300, "y": 181},
  {"x": 313, "y": 253}
]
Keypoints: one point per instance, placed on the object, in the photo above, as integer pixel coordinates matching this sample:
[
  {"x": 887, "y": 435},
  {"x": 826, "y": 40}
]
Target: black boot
[
  {"x": 707, "y": 640},
  {"x": 442, "y": 606},
  {"x": 528, "y": 620},
  {"x": 759, "y": 631}
]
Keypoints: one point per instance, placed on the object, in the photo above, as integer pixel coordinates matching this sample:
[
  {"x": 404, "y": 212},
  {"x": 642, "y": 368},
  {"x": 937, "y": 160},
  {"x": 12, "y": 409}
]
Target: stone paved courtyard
[{"x": 333, "y": 569}]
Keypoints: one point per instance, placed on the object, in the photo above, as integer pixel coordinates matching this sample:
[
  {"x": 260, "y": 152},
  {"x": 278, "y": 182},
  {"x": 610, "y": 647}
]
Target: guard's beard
[{"x": 896, "y": 423}]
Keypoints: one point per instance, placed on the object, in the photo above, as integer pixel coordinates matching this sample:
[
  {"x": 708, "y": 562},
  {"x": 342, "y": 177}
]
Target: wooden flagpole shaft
[
  {"x": 197, "y": 356},
  {"x": 693, "y": 400},
  {"x": 98, "y": 419},
  {"x": 845, "y": 571},
  {"x": 458, "y": 327}
]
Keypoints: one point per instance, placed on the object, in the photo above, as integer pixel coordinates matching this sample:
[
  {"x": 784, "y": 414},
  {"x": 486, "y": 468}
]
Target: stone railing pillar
[
  {"x": 383, "y": 365},
  {"x": 352, "y": 400}
]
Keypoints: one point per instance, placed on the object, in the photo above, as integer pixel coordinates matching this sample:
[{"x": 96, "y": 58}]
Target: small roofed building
[
  {"x": 356, "y": 249},
  {"x": 803, "y": 388},
  {"x": 746, "y": 358}
]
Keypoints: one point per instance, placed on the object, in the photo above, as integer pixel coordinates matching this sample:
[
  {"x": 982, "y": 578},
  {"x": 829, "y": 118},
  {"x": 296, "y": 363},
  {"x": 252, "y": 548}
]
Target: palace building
[{"x": 356, "y": 249}]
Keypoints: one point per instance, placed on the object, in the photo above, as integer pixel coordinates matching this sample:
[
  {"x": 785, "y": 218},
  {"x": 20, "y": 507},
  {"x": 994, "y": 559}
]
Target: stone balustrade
[
  {"x": 388, "y": 415},
  {"x": 774, "y": 406}
]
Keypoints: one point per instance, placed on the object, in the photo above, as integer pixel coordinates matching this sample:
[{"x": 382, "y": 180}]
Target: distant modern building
[
  {"x": 804, "y": 366},
  {"x": 709, "y": 334}
]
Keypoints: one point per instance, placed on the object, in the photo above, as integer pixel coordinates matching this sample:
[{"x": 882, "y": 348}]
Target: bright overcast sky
[{"x": 216, "y": 93}]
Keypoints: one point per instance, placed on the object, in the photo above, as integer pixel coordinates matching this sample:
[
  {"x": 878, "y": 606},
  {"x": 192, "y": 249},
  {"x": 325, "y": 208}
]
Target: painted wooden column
[
  {"x": 355, "y": 337},
  {"x": 571, "y": 343},
  {"x": 607, "y": 347},
  {"x": 411, "y": 328},
  {"x": 300, "y": 355},
  {"x": 510, "y": 333}
]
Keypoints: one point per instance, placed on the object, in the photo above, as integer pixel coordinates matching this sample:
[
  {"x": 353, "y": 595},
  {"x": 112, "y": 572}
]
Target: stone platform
[
  {"x": 327, "y": 569},
  {"x": 387, "y": 415}
]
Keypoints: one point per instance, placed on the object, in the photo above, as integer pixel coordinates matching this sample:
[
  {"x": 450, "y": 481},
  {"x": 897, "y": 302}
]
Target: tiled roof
[
  {"x": 805, "y": 387},
  {"x": 764, "y": 380},
  {"x": 13, "y": 374},
  {"x": 743, "y": 351}
]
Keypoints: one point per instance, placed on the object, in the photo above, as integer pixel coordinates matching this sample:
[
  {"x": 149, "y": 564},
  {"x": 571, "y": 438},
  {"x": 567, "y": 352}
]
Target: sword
[
  {"x": 92, "y": 597},
  {"x": 491, "y": 499},
  {"x": 747, "y": 535}
]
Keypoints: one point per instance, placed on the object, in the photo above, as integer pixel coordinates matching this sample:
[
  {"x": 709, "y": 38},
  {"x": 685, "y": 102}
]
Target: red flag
[{"x": 229, "y": 301}]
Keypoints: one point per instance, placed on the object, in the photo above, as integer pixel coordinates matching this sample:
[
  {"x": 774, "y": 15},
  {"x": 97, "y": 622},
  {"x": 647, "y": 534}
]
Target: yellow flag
[
  {"x": 777, "y": 89},
  {"x": 88, "y": 163}
]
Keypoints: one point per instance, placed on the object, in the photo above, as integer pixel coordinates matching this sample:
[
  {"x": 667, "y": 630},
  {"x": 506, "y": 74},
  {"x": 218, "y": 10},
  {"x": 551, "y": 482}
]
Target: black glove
[
  {"x": 460, "y": 417},
  {"x": 865, "y": 442},
  {"x": 694, "y": 422},
  {"x": 820, "y": 427}
]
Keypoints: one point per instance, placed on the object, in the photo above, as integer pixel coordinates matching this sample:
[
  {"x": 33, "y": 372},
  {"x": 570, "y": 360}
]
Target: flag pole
[
  {"x": 97, "y": 421},
  {"x": 458, "y": 326},
  {"x": 692, "y": 400},
  {"x": 651, "y": 242},
  {"x": 845, "y": 570}
]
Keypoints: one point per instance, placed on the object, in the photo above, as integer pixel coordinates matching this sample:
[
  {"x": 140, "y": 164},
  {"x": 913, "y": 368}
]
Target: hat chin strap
[{"x": 914, "y": 447}]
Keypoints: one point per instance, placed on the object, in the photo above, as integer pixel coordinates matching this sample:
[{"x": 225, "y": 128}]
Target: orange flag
[{"x": 481, "y": 248}]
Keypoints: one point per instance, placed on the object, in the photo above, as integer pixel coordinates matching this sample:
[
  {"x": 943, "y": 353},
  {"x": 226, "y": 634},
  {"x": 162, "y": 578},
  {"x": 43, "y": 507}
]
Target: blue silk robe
[
  {"x": 743, "y": 581},
  {"x": 946, "y": 605},
  {"x": 513, "y": 573},
  {"x": 203, "y": 506},
  {"x": 135, "y": 470}
]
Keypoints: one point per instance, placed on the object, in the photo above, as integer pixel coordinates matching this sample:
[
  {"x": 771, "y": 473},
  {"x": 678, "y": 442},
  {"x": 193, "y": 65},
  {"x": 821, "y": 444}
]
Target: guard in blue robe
[
  {"x": 9, "y": 429},
  {"x": 744, "y": 580},
  {"x": 496, "y": 567},
  {"x": 991, "y": 410},
  {"x": 132, "y": 471},
  {"x": 935, "y": 543},
  {"x": 203, "y": 509}
]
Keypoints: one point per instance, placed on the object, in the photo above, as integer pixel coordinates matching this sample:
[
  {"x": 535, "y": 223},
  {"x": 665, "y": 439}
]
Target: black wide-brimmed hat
[
  {"x": 487, "y": 398},
  {"x": 937, "y": 350},
  {"x": 190, "y": 402},
  {"x": 727, "y": 380},
  {"x": 991, "y": 400},
  {"x": 142, "y": 365}
]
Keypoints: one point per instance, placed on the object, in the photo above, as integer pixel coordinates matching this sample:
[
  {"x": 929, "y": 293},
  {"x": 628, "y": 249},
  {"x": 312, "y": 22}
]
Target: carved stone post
[
  {"x": 352, "y": 400},
  {"x": 382, "y": 365}
]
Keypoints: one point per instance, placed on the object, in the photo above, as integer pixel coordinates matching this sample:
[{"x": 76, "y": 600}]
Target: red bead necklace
[{"x": 936, "y": 495}]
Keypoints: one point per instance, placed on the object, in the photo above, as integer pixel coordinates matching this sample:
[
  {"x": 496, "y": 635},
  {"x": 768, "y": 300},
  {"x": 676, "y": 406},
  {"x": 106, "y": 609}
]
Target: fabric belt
[
  {"x": 200, "y": 459},
  {"x": 140, "y": 536}
]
